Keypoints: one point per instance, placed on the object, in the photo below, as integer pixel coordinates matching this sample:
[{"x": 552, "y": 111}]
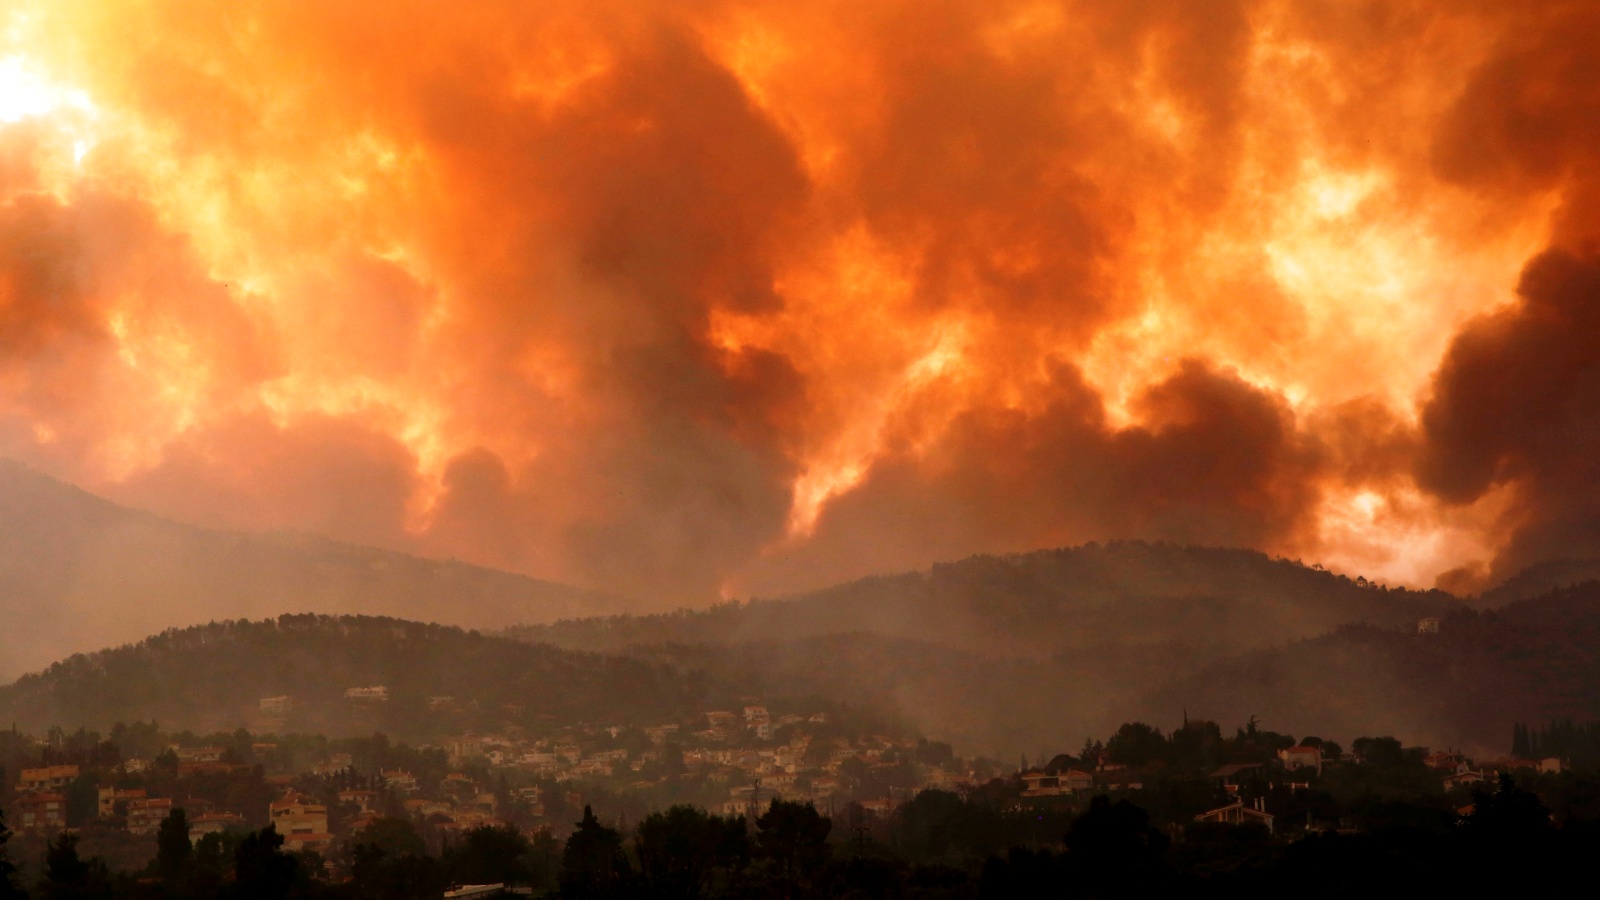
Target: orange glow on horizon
[{"x": 591, "y": 281}]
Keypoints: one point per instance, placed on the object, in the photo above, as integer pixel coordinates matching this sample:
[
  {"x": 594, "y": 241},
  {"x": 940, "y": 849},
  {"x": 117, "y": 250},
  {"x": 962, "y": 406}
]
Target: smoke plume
[{"x": 674, "y": 299}]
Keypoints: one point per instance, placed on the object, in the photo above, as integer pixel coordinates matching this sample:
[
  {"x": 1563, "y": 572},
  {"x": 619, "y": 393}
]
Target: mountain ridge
[
  {"x": 1028, "y": 603},
  {"x": 79, "y": 572},
  {"x": 211, "y": 678}
]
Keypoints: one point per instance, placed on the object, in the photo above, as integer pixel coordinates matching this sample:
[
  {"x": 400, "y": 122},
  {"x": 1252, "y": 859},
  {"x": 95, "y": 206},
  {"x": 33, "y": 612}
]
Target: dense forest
[
  {"x": 1466, "y": 685},
  {"x": 212, "y": 677},
  {"x": 1125, "y": 593},
  {"x": 1004, "y": 654},
  {"x": 998, "y": 654}
]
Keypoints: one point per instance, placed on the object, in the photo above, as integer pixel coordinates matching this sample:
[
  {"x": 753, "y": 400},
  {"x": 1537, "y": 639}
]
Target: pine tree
[
  {"x": 594, "y": 863},
  {"x": 9, "y": 889},
  {"x": 66, "y": 873}
]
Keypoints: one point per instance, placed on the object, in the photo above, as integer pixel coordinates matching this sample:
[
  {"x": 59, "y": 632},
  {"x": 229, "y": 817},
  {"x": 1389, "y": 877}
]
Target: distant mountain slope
[
  {"x": 1016, "y": 653},
  {"x": 1539, "y": 578},
  {"x": 1465, "y": 686},
  {"x": 1041, "y": 603},
  {"x": 78, "y": 573},
  {"x": 212, "y": 677}
]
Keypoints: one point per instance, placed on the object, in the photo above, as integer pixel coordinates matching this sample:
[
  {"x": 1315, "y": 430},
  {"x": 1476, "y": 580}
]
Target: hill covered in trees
[
  {"x": 212, "y": 677},
  {"x": 1008, "y": 653},
  {"x": 999, "y": 654},
  {"x": 1537, "y": 579},
  {"x": 79, "y": 573},
  {"x": 1467, "y": 685},
  {"x": 1037, "y": 604}
]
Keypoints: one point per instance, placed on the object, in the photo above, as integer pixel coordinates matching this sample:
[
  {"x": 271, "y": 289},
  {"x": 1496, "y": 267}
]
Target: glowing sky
[{"x": 684, "y": 298}]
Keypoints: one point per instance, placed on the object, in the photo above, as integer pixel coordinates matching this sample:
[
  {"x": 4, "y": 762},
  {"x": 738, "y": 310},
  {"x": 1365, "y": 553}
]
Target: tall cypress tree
[
  {"x": 1520, "y": 747},
  {"x": 173, "y": 849}
]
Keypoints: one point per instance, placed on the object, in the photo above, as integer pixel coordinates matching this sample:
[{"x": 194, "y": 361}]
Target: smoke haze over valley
[
  {"x": 996, "y": 654},
  {"x": 904, "y": 448}
]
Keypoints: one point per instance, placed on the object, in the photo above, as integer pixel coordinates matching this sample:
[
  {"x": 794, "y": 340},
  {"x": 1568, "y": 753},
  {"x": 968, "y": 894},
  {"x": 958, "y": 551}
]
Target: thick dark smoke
[
  {"x": 1517, "y": 401},
  {"x": 670, "y": 299},
  {"x": 1218, "y": 461}
]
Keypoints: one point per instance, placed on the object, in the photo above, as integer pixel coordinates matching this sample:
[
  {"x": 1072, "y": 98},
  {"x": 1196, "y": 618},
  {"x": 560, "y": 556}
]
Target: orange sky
[{"x": 676, "y": 299}]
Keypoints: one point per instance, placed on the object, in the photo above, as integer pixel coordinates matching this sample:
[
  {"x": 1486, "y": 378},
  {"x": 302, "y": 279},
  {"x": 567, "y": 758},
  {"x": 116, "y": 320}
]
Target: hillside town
[
  {"x": 730, "y": 762},
  {"x": 317, "y": 792},
  {"x": 499, "y": 806}
]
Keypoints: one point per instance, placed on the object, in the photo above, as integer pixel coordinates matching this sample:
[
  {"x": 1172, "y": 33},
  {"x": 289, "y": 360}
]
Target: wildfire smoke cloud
[{"x": 678, "y": 297}]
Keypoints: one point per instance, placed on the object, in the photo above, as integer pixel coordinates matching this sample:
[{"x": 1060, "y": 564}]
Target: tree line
[{"x": 1110, "y": 848}]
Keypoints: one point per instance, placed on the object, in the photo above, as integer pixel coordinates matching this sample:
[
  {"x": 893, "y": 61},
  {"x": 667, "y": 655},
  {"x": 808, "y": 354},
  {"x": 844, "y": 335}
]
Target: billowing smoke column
[{"x": 684, "y": 297}]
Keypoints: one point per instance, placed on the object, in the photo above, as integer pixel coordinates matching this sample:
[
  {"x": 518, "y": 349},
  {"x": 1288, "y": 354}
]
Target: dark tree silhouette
[
  {"x": 792, "y": 842},
  {"x": 173, "y": 849},
  {"x": 685, "y": 852},
  {"x": 489, "y": 855},
  {"x": 1509, "y": 813},
  {"x": 9, "y": 889},
  {"x": 1113, "y": 846},
  {"x": 594, "y": 865},
  {"x": 67, "y": 876},
  {"x": 263, "y": 872}
]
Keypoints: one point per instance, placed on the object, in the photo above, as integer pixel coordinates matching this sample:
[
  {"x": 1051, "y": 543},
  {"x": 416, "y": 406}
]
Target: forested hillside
[
  {"x": 78, "y": 573},
  {"x": 1001, "y": 654},
  {"x": 212, "y": 677},
  {"x": 1532, "y": 661},
  {"x": 1124, "y": 593},
  {"x": 1538, "y": 579}
]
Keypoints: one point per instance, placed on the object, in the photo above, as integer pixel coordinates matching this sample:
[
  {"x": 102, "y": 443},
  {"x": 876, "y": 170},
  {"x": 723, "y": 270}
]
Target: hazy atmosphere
[
  {"x": 611, "y": 405},
  {"x": 689, "y": 299}
]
